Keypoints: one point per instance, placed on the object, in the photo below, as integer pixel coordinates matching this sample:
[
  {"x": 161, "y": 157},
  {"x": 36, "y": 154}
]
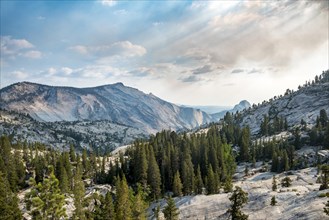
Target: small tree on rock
[
  {"x": 274, "y": 185},
  {"x": 238, "y": 199},
  {"x": 326, "y": 208},
  {"x": 324, "y": 177},
  {"x": 171, "y": 212},
  {"x": 286, "y": 182},
  {"x": 273, "y": 201}
]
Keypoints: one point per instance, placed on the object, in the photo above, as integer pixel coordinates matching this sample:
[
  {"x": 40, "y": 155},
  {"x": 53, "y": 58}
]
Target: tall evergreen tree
[
  {"x": 212, "y": 183},
  {"x": 177, "y": 185},
  {"x": 79, "y": 193},
  {"x": 108, "y": 211},
  {"x": 323, "y": 118},
  {"x": 187, "y": 174},
  {"x": 153, "y": 175},
  {"x": 8, "y": 201},
  {"x": 244, "y": 144},
  {"x": 122, "y": 205},
  {"x": 171, "y": 212},
  {"x": 141, "y": 165},
  {"x": 139, "y": 207},
  {"x": 72, "y": 153},
  {"x": 198, "y": 181}
]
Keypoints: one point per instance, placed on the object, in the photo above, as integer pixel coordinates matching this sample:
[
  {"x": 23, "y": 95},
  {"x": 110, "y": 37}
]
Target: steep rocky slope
[
  {"x": 305, "y": 104},
  {"x": 114, "y": 102}
]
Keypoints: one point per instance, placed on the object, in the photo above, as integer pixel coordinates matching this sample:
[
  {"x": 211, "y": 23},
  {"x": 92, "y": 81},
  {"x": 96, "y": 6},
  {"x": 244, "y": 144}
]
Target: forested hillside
[{"x": 294, "y": 106}]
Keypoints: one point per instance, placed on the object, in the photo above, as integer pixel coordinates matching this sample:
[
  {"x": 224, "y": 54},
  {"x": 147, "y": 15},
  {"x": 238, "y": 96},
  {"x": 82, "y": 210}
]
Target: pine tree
[
  {"x": 8, "y": 166},
  {"x": 153, "y": 175},
  {"x": 171, "y": 212},
  {"x": 286, "y": 182},
  {"x": 8, "y": 201},
  {"x": 273, "y": 201},
  {"x": 108, "y": 207},
  {"x": 141, "y": 165},
  {"x": 139, "y": 207},
  {"x": 244, "y": 144},
  {"x": 285, "y": 161},
  {"x": 68, "y": 168},
  {"x": 275, "y": 162},
  {"x": 326, "y": 208},
  {"x": 45, "y": 200},
  {"x": 324, "y": 177},
  {"x": 238, "y": 199},
  {"x": 85, "y": 164},
  {"x": 72, "y": 153},
  {"x": 187, "y": 174},
  {"x": 177, "y": 185},
  {"x": 326, "y": 137},
  {"x": 274, "y": 185},
  {"x": 64, "y": 182},
  {"x": 212, "y": 183},
  {"x": 123, "y": 205},
  {"x": 323, "y": 117},
  {"x": 198, "y": 182},
  {"x": 79, "y": 193}
]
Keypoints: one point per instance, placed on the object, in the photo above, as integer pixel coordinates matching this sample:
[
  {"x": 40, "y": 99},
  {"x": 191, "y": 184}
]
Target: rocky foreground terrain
[{"x": 302, "y": 200}]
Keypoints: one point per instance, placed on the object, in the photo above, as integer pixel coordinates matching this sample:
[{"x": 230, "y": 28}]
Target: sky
[{"x": 185, "y": 52}]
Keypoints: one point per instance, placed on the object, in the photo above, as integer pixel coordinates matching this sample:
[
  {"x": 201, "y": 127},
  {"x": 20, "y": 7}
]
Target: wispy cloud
[
  {"x": 190, "y": 79},
  {"x": 11, "y": 46},
  {"x": 33, "y": 54},
  {"x": 20, "y": 75},
  {"x": 121, "y": 48},
  {"x": 237, "y": 71},
  {"x": 109, "y": 3}
]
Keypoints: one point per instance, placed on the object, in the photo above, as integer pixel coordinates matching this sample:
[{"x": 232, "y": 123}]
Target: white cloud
[
  {"x": 10, "y": 46},
  {"x": 67, "y": 71},
  {"x": 20, "y": 75},
  {"x": 121, "y": 48},
  {"x": 51, "y": 71},
  {"x": 109, "y": 3},
  {"x": 33, "y": 54}
]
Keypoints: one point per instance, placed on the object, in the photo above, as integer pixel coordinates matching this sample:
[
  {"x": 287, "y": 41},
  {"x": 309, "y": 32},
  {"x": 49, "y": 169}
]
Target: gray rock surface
[{"x": 305, "y": 104}]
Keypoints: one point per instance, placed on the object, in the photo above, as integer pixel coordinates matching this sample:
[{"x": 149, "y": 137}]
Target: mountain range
[
  {"x": 130, "y": 107},
  {"x": 115, "y": 102}
]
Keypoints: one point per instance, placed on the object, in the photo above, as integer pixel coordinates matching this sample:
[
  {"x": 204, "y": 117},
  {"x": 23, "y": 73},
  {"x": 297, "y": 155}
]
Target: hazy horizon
[{"x": 205, "y": 53}]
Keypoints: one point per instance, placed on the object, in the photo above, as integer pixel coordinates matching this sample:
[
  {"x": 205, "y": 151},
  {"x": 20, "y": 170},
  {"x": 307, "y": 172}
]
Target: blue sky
[{"x": 186, "y": 52}]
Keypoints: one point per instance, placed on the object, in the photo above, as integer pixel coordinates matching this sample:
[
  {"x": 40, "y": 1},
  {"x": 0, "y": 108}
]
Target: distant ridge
[{"x": 114, "y": 102}]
